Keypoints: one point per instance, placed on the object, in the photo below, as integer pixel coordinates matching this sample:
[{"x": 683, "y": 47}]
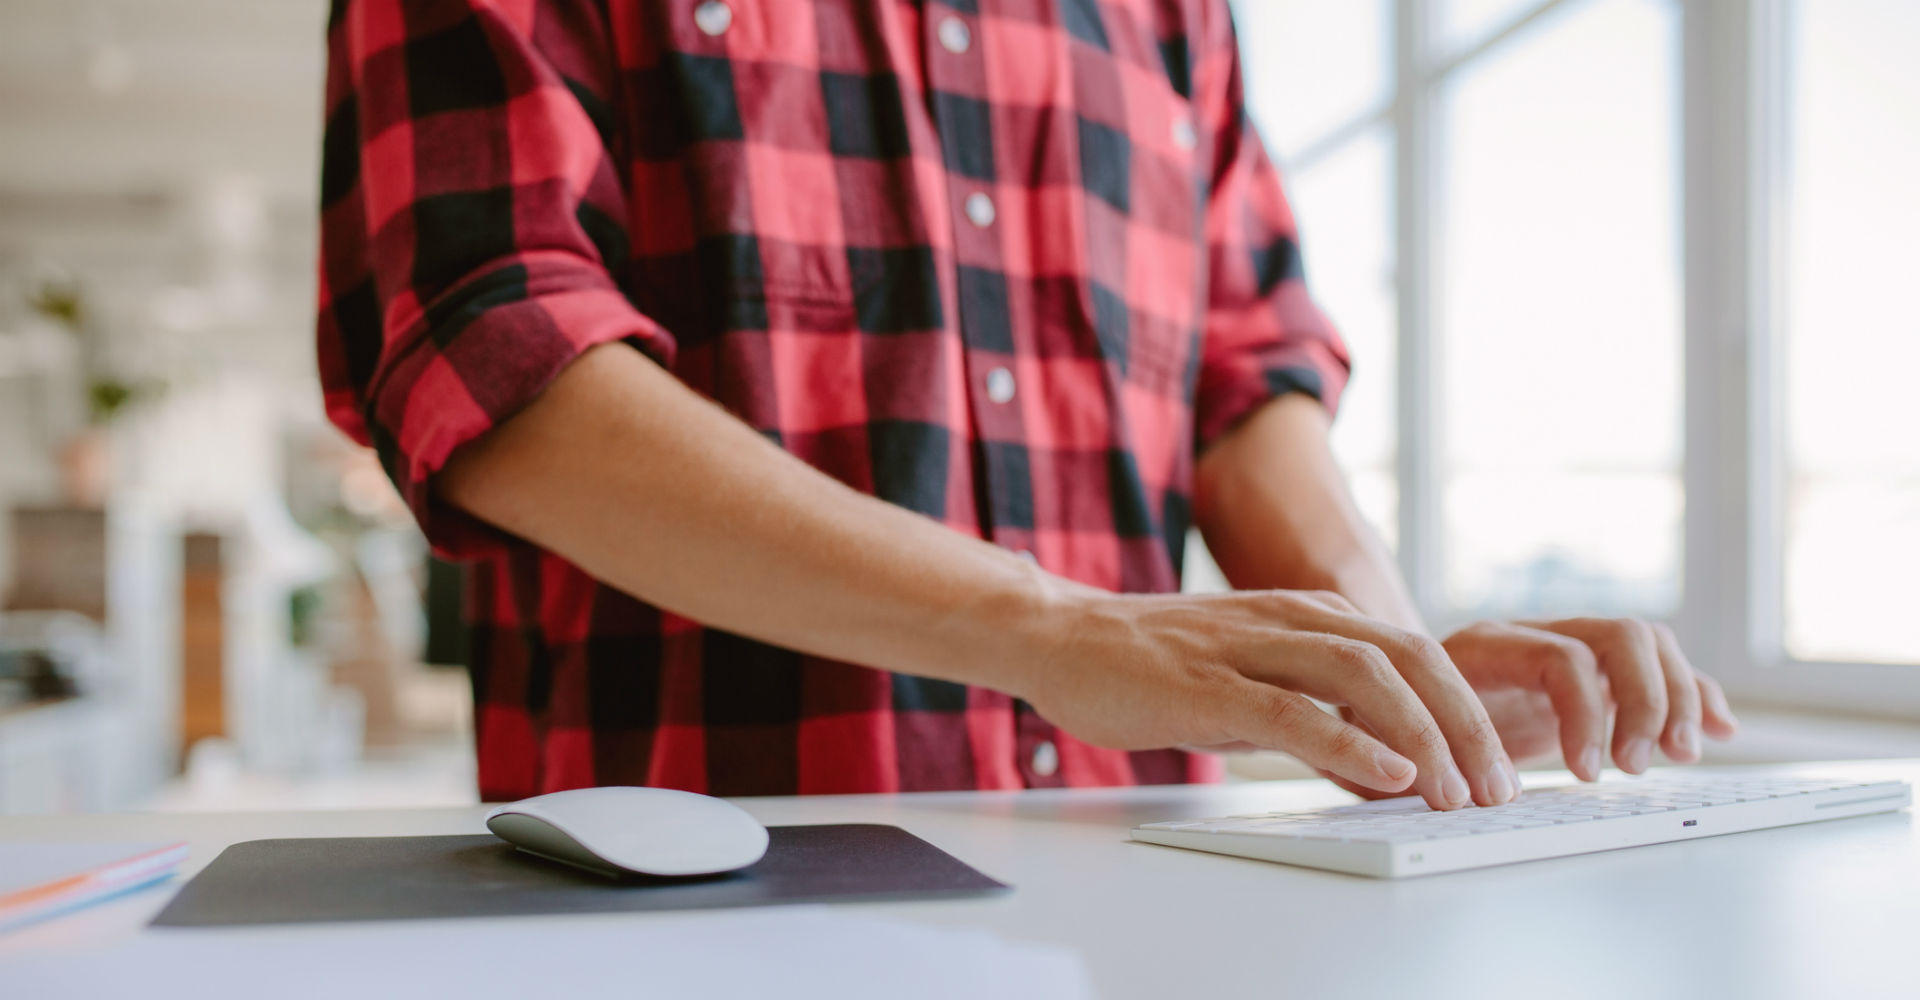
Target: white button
[
  {"x": 1183, "y": 134},
  {"x": 1046, "y": 759},
  {"x": 955, "y": 36},
  {"x": 1000, "y": 385},
  {"x": 713, "y": 17},
  {"x": 980, "y": 209}
]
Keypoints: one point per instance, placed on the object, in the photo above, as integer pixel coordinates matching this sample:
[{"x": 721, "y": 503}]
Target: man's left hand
[{"x": 1591, "y": 685}]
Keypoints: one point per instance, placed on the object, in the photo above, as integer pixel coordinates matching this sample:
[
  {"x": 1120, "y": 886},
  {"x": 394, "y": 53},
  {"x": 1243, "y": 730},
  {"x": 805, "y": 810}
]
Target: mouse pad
[{"x": 397, "y": 878}]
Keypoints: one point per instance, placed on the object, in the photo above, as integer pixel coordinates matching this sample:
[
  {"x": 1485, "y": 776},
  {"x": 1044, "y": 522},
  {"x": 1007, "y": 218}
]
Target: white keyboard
[{"x": 1392, "y": 838}]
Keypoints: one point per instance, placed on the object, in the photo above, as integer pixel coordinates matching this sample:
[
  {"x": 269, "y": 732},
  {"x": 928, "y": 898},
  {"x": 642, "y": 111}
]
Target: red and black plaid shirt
[{"x": 1007, "y": 263}]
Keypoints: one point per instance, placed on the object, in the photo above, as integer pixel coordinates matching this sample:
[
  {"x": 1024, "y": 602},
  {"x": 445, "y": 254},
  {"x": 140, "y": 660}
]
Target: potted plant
[{"x": 86, "y": 457}]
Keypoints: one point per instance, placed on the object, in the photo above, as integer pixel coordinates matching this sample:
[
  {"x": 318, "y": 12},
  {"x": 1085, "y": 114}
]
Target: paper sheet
[{"x": 803, "y": 952}]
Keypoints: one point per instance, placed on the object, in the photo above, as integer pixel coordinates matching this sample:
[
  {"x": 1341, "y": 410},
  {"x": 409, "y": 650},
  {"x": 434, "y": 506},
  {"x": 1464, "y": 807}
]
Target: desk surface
[{"x": 1826, "y": 909}]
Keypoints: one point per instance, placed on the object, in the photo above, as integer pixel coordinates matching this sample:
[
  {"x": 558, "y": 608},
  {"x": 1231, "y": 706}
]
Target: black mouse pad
[{"x": 398, "y": 878}]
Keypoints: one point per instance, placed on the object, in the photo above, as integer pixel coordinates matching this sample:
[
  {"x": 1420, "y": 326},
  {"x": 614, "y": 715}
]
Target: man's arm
[
  {"x": 620, "y": 468},
  {"x": 656, "y": 491},
  {"x": 1276, "y": 512}
]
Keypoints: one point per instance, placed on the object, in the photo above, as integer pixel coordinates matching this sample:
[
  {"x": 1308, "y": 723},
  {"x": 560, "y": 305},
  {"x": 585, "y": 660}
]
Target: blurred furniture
[
  {"x": 203, "y": 695},
  {"x": 60, "y": 560},
  {"x": 1808, "y": 911},
  {"x": 379, "y": 628},
  {"x": 56, "y": 731},
  {"x": 197, "y": 642},
  {"x": 96, "y": 590},
  {"x": 55, "y": 758}
]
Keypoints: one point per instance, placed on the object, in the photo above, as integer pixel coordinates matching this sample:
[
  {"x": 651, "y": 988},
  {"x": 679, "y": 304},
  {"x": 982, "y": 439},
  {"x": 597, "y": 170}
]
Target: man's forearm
[
  {"x": 1276, "y": 514},
  {"x": 629, "y": 474}
]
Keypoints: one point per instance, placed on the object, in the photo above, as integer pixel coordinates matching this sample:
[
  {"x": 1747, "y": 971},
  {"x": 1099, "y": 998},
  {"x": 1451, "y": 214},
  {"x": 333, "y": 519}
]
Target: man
[{"x": 819, "y": 389}]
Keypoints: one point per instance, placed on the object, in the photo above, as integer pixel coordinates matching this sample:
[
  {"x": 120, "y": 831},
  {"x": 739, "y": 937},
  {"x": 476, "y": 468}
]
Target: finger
[
  {"x": 1715, "y": 716},
  {"x": 1330, "y": 600},
  {"x": 1346, "y": 714},
  {"x": 1627, "y": 654},
  {"x": 1382, "y": 697},
  {"x": 1360, "y": 790},
  {"x": 1498, "y": 654},
  {"x": 1275, "y": 719},
  {"x": 1237, "y": 746},
  {"x": 1357, "y": 675},
  {"x": 1366, "y": 678},
  {"x": 1681, "y": 739},
  {"x": 1470, "y": 733}
]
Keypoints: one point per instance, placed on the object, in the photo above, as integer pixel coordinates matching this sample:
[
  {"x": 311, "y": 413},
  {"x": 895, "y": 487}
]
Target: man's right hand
[{"x": 1235, "y": 671}]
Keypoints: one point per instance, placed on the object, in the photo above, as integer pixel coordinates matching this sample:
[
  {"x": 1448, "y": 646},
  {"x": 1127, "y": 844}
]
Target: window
[
  {"x": 1313, "y": 69},
  {"x": 1557, "y": 317},
  {"x": 1346, "y": 220},
  {"x": 1462, "y": 24},
  {"x": 1626, "y": 286},
  {"x": 1852, "y": 372}
]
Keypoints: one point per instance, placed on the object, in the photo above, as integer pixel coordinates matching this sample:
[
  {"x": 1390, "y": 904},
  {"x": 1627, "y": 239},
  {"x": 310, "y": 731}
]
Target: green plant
[
  {"x": 107, "y": 396},
  {"x": 59, "y": 299},
  {"x": 303, "y": 614}
]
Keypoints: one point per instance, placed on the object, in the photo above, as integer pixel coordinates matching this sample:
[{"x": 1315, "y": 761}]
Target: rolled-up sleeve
[
  {"x": 471, "y": 218},
  {"x": 1264, "y": 336}
]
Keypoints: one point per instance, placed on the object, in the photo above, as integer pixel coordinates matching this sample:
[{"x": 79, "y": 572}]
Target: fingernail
[
  {"x": 1499, "y": 784},
  {"x": 1635, "y": 756},
  {"x": 1394, "y": 766},
  {"x": 1590, "y": 763},
  {"x": 1514, "y": 773},
  {"x": 1687, "y": 737},
  {"x": 1453, "y": 787}
]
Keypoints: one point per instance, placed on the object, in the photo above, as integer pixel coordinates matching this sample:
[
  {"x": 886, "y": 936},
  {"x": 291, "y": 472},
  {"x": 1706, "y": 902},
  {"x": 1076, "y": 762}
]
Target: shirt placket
[{"x": 956, "y": 74}]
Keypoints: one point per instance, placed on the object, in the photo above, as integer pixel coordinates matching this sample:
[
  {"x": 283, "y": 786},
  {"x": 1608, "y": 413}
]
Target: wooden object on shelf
[
  {"x": 59, "y": 560},
  {"x": 203, "y": 702}
]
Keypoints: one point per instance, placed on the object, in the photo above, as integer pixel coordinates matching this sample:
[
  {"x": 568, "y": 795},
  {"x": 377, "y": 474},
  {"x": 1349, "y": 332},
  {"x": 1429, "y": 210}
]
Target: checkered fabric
[{"x": 1007, "y": 263}]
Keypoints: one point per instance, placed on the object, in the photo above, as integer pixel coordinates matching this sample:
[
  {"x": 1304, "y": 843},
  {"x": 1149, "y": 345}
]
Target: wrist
[{"x": 1006, "y": 638}]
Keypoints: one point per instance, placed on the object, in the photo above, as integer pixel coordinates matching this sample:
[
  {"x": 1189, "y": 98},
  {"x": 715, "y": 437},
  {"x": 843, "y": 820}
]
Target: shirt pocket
[
  {"x": 729, "y": 115},
  {"x": 769, "y": 228}
]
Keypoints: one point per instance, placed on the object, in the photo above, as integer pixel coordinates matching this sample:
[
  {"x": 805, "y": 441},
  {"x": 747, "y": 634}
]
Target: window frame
[
  {"x": 1736, "y": 57},
  {"x": 1734, "y": 159}
]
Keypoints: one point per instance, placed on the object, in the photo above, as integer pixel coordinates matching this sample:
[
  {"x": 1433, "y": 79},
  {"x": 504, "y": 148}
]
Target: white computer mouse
[{"x": 647, "y": 831}]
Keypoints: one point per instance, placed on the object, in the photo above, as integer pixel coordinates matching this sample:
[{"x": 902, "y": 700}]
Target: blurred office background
[{"x": 1626, "y": 281}]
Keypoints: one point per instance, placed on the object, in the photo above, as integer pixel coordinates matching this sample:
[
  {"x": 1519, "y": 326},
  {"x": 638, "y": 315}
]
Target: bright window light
[
  {"x": 1559, "y": 318},
  {"x": 1852, "y": 410}
]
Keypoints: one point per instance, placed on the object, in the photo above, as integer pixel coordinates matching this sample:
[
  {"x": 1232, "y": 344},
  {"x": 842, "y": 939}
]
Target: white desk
[{"x": 1823, "y": 910}]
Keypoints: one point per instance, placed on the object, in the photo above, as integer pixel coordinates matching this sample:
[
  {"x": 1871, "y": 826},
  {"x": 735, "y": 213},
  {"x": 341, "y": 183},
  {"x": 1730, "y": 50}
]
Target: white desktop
[{"x": 1826, "y": 909}]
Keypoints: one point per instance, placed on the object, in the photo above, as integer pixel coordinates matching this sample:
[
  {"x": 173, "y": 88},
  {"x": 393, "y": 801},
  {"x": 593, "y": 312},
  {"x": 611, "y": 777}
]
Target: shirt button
[
  {"x": 1183, "y": 134},
  {"x": 1000, "y": 385},
  {"x": 1046, "y": 759},
  {"x": 713, "y": 17},
  {"x": 980, "y": 210},
  {"x": 954, "y": 36}
]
